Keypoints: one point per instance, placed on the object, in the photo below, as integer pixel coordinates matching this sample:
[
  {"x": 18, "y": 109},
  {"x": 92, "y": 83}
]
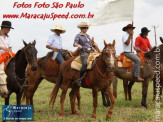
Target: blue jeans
[
  {"x": 84, "y": 61},
  {"x": 137, "y": 62},
  {"x": 59, "y": 57}
]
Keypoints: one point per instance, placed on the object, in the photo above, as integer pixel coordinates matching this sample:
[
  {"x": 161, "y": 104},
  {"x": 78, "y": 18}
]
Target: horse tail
[{"x": 54, "y": 93}]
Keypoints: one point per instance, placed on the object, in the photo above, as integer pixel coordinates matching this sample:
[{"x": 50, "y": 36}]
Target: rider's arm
[{"x": 53, "y": 48}]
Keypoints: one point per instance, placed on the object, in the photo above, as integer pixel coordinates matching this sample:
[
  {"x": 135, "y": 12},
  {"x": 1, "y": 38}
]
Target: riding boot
[{"x": 81, "y": 78}]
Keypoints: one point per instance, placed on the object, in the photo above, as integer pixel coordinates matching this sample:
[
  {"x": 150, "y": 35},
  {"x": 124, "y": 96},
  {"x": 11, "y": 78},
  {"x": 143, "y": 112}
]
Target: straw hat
[
  {"x": 83, "y": 24},
  {"x": 58, "y": 27}
]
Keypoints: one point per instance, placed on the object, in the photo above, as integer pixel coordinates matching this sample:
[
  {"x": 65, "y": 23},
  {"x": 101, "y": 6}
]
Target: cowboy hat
[
  {"x": 144, "y": 30},
  {"x": 6, "y": 24},
  {"x": 83, "y": 24},
  {"x": 58, "y": 27},
  {"x": 127, "y": 27}
]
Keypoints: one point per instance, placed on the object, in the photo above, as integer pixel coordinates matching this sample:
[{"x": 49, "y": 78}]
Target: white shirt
[
  {"x": 55, "y": 41},
  {"x": 125, "y": 47},
  {"x": 7, "y": 42}
]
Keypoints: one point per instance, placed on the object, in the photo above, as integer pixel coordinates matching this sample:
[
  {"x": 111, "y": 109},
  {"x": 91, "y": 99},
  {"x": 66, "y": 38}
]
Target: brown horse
[
  {"x": 156, "y": 60},
  {"x": 34, "y": 78},
  {"x": 151, "y": 59},
  {"x": 127, "y": 76},
  {"x": 99, "y": 78}
]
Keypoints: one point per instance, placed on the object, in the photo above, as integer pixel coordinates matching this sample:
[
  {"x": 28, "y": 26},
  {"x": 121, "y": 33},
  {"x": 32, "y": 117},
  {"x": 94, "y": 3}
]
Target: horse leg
[
  {"x": 129, "y": 89},
  {"x": 18, "y": 98},
  {"x": 7, "y": 99},
  {"x": 72, "y": 99},
  {"x": 78, "y": 99},
  {"x": 64, "y": 87},
  {"x": 110, "y": 94},
  {"x": 105, "y": 99},
  {"x": 94, "y": 93},
  {"x": 144, "y": 93},
  {"x": 29, "y": 92},
  {"x": 115, "y": 83},
  {"x": 125, "y": 86}
]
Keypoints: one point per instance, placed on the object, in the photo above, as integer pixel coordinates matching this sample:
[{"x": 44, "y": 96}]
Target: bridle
[{"x": 4, "y": 83}]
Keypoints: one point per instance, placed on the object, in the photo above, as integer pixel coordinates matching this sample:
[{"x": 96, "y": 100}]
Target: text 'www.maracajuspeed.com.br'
[{"x": 48, "y": 16}]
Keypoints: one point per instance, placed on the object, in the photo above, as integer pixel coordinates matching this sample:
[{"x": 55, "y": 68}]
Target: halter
[{"x": 0, "y": 83}]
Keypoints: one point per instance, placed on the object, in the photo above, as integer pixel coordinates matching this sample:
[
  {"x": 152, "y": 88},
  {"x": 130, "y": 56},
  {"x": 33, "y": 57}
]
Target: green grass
[{"x": 124, "y": 111}]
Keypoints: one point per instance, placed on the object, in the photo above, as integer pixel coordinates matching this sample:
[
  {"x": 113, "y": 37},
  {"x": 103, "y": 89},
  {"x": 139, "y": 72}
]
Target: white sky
[{"x": 146, "y": 13}]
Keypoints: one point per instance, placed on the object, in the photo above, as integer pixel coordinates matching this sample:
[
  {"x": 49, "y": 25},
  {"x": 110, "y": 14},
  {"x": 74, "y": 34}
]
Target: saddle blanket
[
  {"x": 123, "y": 61},
  {"x": 77, "y": 64}
]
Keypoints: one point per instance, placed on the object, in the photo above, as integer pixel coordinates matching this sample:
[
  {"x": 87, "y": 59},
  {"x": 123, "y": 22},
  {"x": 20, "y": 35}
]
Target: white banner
[{"x": 109, "y": 11}]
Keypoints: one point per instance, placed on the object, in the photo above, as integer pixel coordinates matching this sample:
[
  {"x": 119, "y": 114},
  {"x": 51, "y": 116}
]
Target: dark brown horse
[
  {"x": 99, "y": 78},
  {"x": 151, "y": 57},
  {"x": 127, "y": 76},
  {"x": 156, "y": 60},
  {"x": 15, "y": 70}
]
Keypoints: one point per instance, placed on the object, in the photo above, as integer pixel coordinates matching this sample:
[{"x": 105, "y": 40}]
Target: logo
[{"x": 17, "y": 112}]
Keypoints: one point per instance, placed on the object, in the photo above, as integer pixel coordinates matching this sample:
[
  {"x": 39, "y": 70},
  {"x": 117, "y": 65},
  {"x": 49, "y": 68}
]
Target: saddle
[
  {"x": 52, "y": 67},
  {"x": 6, "y": 57},
  {"x": 125, "y": 62},
  {"x": 77, "y": 64}
]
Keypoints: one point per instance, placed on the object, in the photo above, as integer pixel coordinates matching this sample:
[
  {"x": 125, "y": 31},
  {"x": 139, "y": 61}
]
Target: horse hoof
[
  {"x": 75, "y": 113},
  {"x": 79, "y": 108},
  {"x": 94, "y": 116},
  {"x": 144, "y": 105},
  {"x": 61, "y": 114},
  {"x": 108, "y": 116}
]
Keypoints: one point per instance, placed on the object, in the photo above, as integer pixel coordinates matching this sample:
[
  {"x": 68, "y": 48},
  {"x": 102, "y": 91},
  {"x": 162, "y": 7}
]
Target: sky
[{"x": 146, "y": 14}]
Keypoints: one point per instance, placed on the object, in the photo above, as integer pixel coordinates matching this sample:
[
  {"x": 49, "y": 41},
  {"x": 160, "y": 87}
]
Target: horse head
[
  {"x": 66, "y": 54},
  {"x": 108, "y": 54},
  {"x": 31, "y": 54},
  {"x": 150, "y": 55},
  {"x": 3, "y": 83}
]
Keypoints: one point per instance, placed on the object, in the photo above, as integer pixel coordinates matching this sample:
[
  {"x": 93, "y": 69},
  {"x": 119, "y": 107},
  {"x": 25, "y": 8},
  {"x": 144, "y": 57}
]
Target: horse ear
[
  {"x": 34, "y": 42},
  {"x": 25, "y": 44},
  {"x": 114, "y": 42},
  {"x": 105, "y": 43},
  {"x": 92, "y": 40}
]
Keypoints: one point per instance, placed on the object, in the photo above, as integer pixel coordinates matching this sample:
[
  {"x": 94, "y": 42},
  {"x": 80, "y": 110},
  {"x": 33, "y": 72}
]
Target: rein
[
  {"x": 99, "y": 70},
  {"x": 20, "y": 79}
]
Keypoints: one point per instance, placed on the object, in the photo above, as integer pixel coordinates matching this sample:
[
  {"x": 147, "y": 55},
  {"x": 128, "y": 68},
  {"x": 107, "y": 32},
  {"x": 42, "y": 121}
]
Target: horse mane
[{"x": 43, "y": 61}]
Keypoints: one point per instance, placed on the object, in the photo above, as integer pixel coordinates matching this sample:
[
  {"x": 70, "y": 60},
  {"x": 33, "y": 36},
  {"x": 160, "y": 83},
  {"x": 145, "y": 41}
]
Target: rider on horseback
[
  {"x": 128, "y": 50},
  {"x": 55, "y": 43},
  {"x": 5, "y": 42},
  {"x": 83, "y": 42},
  {"x": 142, "y": 42}
]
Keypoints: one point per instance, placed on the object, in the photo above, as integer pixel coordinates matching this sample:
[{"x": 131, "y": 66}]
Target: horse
[
  {"x": 156, "y": 61},
  {"x": 34, "y": 78},
  {"x": 151, "y": 58},
  {"x": 3, "y": 84},
  {"x": 99, "y": 78},
  {"x": 147, "y": 73},
  {"x": 16, "y": 68}
]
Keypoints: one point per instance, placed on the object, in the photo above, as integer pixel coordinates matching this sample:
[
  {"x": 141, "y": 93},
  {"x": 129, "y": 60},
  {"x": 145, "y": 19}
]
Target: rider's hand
[{"x": 79, "y": 46}]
